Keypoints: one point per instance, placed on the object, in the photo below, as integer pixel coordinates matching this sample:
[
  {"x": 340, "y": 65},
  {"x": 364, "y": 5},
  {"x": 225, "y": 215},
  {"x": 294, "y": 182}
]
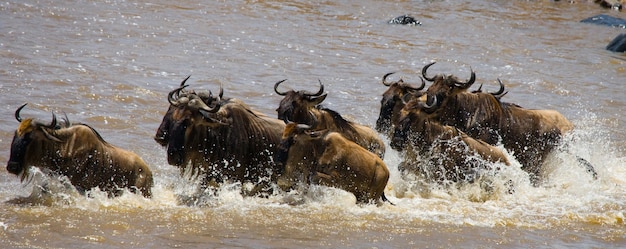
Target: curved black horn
[
  {"x": 385, "y": 78},
  {"x": 500, "y": 93},
  {"x": 170, "y": 96},
  {"x": 276, "y": 88},
  {"x": 421, "y": 86},
  {"x": 501, "y": 90},
  {"x": 424, "y": 72},
  {"x": 405, "y": 98},
  {"x": 318, "y": 93},
  {"x": 313, "y": 120},
  {"x": 216, "y": 108},
  {"x": 221, "y": 94},
  {"x": 469, "y": 82},
  {"x": 53, "y": 124},
  {"x": 17, "y": 112},
  {"x": 184, "y": 81},
  {"x": 427, "y": 106}
]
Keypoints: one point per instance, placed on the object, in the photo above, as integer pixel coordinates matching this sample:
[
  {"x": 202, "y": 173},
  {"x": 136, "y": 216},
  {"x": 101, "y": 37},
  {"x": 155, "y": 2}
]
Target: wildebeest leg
[
  {"x": 384, "y": 198},
  {"x": 588, "y": 167}
]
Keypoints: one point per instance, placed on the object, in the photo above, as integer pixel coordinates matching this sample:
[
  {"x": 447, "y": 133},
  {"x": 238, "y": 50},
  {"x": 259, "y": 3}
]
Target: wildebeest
[
  {"x": 391, "y": 103},
  {"x": 530, "y": 134},
  {"x": 222, "y": 138},
  {"x": 327, "y": 158},
  {"x": 456, "y": 155},
  {"x": 78, "y": 152},
  {"x": 405, "y": 20},
  {"x": 304, "y": 107}
]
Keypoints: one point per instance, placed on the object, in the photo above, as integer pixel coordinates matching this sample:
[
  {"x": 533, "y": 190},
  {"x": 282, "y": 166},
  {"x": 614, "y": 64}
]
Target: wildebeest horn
[
  {"x": 302, "y": 127},
  {"x": 405, "y": 99},
  {"x": 469, "y": 82},
  {"x": 17, "y": 112},
  {"x": 427, "y": 106},
  {"x": 66, "y": 120},
  {"x": 318, "y": 93},
  {"x": 215, "y": 108},
  {"x": 184, "y": 81},
  {"x": 276, "y": 88},
  {"x": 53, "y": 124},
  {"x": 221, "y": 92},
  {"x": 424, "y": 72},
  {"x": 421, "y": 86},
  {"x": 385, "y": 78},
  {"x": 170, "y": 96},
  {"x": 500, "y": 93},
  {"x": 313, "y": 119}
]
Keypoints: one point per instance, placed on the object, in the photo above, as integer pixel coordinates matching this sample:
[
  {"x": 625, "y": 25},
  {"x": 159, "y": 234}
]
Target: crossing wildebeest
[
  {"x": 78, "y": 152},
  {"x": 530, "y": 134},
  {"x": 303, "y": 107},
  {"x": 221, "y": 138},
  {"x": 327, "y": 158},
  {"x": 451, "y": 154}
]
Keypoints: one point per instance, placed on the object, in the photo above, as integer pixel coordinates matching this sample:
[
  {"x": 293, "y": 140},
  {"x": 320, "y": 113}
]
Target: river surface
[{"x": 111, "y": 63}]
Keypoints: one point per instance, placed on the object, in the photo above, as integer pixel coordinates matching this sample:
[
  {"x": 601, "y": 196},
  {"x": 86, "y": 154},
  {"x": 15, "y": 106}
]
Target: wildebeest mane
[{"x": 342, "y": 124}]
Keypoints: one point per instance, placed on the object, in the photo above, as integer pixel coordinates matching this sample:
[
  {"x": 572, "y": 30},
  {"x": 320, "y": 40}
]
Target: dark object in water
[
  {"x": 405, "y": 20},
  {"x": 618, "y": 44},
  {"x": 607, "y": 20},
  {"x": 612, "y": 4}
]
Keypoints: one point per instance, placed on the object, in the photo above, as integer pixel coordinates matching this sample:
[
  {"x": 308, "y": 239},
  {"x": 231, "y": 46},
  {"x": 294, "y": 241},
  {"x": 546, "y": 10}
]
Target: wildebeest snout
[{"x": 14, "y": 167}]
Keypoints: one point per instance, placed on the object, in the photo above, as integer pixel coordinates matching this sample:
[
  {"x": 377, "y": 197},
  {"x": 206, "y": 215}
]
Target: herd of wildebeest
[{"x": 447, "y": 134}]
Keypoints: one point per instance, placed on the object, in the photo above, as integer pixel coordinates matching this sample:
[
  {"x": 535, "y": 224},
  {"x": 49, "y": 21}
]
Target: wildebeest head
[
  {"x": 185, "y": 108},
  {"x": 444, "y": 86},
  {"x": 412, "y": 114},
  {"x": 391, "y": 103},
  {"x": 29, "y": 135},
  {"x": 181, "y": 104},
  {"x": 295, "y": 105}
]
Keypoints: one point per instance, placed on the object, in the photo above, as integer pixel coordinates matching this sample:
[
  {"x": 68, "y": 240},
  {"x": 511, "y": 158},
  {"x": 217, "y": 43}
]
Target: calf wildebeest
[
  {"x": 391, "y": 103},
  {"x": 456, "y": 155},
  {"x": 78, "y": 152},
  {"x": 224, "y": 139},
  {"x": 304, "y": 107},
  {"x": 530, "y": 134},
  {"x": 327, "y": 158}
]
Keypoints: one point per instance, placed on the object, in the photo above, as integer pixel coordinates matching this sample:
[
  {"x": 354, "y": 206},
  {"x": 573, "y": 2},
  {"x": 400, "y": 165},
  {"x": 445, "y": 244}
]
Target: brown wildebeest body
[
  {"x": 80, "y": 153},
  {"x": 420, "y": 135},
  {"x": 303, "y": 107},
  {"x": 529, "y": 134},
  {"x": 331, "y": 160},
  {"x": 228, "y": 141}
]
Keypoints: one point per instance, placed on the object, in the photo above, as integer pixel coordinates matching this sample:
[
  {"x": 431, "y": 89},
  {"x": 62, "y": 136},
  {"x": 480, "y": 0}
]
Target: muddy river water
[{"x": 111, "y": 64}]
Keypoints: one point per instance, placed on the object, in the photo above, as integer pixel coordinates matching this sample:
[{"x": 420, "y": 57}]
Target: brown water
[{"x": 111, "y": 63}]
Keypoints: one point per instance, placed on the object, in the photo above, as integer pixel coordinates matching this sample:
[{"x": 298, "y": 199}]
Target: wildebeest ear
[{"x": 317, "y": 100}]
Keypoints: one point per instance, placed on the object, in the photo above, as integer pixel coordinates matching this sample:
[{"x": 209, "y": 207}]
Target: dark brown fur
[
  {"x": 234, "y": 143},
  {"x": 529, "y": 134}
]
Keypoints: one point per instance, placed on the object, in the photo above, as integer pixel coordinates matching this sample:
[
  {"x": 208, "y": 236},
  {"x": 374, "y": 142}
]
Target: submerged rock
[
  {"x": 618, "y": 44},
  {"x": 606, "y": 20}
]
